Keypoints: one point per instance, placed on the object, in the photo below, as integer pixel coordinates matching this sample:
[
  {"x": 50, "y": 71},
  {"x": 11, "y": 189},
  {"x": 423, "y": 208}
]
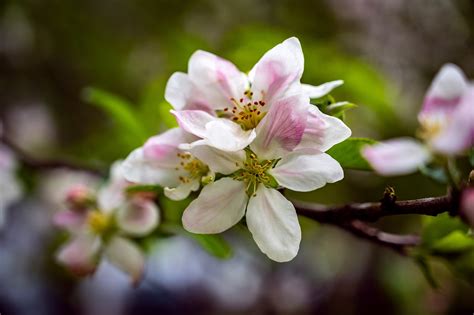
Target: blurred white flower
[
  {"x": 104, "y": 229},
  {"x": 447, "y": 127}
]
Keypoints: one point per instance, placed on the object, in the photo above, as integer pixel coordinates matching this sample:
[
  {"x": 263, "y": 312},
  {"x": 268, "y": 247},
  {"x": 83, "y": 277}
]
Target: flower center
[
  {"x": 254, "y": 172},
  {"x": 98, "y": 222},
  {"x": 194, "y": 168},
  {"x": 430, "y": 128},
  {"x": 246, "y": 112}
]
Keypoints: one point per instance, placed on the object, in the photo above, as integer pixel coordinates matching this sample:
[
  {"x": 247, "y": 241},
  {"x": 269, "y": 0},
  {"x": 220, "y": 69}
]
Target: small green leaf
[
  {"x": 214, "y": 244},
  {"x": 348, "y": 153},
  {"x": 143, "y": 188},
  {"x": 440, "y": 227},
  {"x": 172, "y": 210},
  {"x": 338, "y": 109},
  {"x": 455, "y": 242},
  {"x": 118, "y": 108},
  {"x": 422, "y": 262}
]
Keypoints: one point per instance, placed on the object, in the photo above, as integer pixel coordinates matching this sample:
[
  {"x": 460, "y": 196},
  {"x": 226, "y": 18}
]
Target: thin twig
[
  {"x": 39, "y": 164},
  {"x": 353, "y": 217}
]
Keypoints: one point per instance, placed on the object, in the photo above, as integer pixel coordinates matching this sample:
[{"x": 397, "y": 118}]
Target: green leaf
[
  {"x": 455, "y": 242},
  {"x": 172, "y": 210},
  {"x": 118, "y": 108},
  {"x": 338, "y": 109},
  {"x": 348, "y": 153},
  {"x": 214, "y": 244},
  {"x": 438, "y": 174},
  {"x": 471, "y": 157},
  {"x": 422, "y": 262},
  {"x": 143, "y": 188},
  {"x": 440, "y": 227}
]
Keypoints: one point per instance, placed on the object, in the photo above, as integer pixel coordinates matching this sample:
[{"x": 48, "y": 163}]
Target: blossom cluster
[{"x": 241, "y": 139}]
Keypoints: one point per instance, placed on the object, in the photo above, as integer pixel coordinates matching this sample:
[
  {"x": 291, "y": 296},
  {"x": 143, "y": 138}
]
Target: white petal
[
  {"x": 182, "y": 191},
  {"x": 219, "y": 161},
  {"x": 111, "y": 195},
  {"x": 274, "y": 224},
  {"x": 193, "y": 121},
  {"x": 80, "y": 255},
  {"x": 307, "y": 170},
  {"x": 226, "y": 135},
  {"x": 219, "y": 206},
  {"x": 444, "y": 93},
  {"x": 278, "y": 70},
  {"x": 126, "y": 256},
  {"x": 323, "y": 131},
  {"x": 397, "y": 156},
  {"x": 182, "y": 94},
  {"x": 163, "y": 149},
  {"x": 320, "y": 90},
  {"x": 282, "y": 128},
  {"x": 217, "y": 79},
  {"x": 137, "y": 169},
  {"x": 138, "y": 217},
  {"x": 458, "y": 136}
]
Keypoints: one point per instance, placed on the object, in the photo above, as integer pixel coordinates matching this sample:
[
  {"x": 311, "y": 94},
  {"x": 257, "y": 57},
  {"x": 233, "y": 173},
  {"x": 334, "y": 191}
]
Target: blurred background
[{"x": 52, "y": 51}]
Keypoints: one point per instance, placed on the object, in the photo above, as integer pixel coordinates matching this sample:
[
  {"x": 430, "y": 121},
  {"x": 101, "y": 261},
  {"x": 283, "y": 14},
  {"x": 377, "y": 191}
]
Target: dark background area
[{"x": 387, "y": 52}]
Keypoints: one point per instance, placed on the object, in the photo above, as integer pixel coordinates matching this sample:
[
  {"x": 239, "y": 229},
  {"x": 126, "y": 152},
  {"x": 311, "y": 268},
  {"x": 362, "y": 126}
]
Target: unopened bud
[
  {"x": 471, "y": 178},
  {"x": 467, "y": 206},
  {"x": 80, "y": 198}
]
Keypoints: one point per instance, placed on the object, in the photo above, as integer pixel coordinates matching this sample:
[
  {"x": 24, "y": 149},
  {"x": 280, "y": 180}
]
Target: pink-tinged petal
[
  {"x": 320, "y": 90},
  {"x": 445, "y": 91},
  {"x": 467, "y": 206},
  {"x": 458, "y": 135},
  {"x": 220, "y": 205},
  {"x": 323, "y": 131},
  {"x": 217, "y": 79},
  {"x": 126, "y": 256},
  {"x": 70, "y": 219},
  {"x": 273, "y": 222},
  {"x": 138, "y": 217},
  {"x": 278, "y": 70},
  {"x": 397, "y": 157},
  {"x": 80, "y": 255},
  {"x": 282, "y": 128},
  {"x": 163, "y": 149},
  {"x": 182, "y": 94},
  {"x": 219, "y": 161},
  {"x": 193, "y": 121},
  {"x": 183, "y": 190},
  {"x": 111, "y": 195},
  {"x": 306, "y": 170},
  {"x": 137, "y": 169},
  {"x": 226, "y": 135}
]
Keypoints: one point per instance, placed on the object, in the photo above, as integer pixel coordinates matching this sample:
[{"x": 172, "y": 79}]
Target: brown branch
[
  {"x": 353, "y": 217},
  {"x": 39, "y": 164}
]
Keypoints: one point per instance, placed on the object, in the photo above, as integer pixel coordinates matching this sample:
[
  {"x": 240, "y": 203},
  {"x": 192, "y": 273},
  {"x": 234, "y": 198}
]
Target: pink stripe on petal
[{"x": 281, "y": 130}]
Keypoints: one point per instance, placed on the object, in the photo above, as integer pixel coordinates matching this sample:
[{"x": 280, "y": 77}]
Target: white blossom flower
[
  {"x": 10, "y": 188},
  {"x": 161, "y": 162},
  {"x": 447, "y": 127},
  {"x": 250, "y": 189},
  {"x": 229, "y": 110},
  {"x": 105, "y": 230}
]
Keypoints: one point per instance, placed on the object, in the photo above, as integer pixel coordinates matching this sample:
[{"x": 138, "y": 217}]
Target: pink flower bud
[
  {"x": 467, "y": 206},
  {"x": 79, "y": 198}
]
